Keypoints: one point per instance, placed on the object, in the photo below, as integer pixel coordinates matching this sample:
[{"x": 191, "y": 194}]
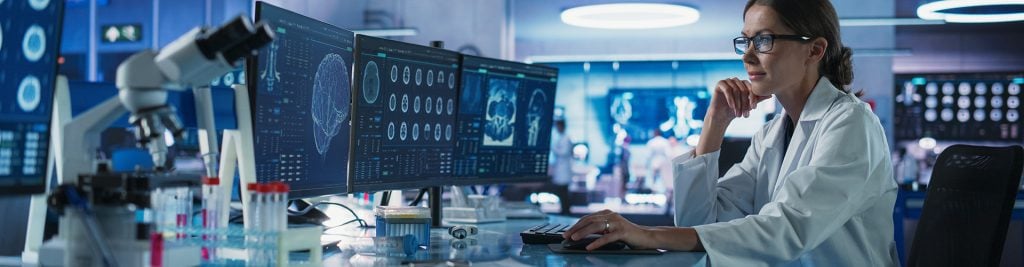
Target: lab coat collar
[{"x": 821, "y": 98}]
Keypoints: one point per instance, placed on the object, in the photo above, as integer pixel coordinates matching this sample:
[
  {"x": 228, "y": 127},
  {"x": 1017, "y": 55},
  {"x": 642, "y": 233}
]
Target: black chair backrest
[{"x": 967, "y": 207}]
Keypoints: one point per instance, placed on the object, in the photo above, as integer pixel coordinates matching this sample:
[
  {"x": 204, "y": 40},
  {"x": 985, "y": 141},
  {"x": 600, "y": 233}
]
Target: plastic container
[{"x": 402, "y": 221}]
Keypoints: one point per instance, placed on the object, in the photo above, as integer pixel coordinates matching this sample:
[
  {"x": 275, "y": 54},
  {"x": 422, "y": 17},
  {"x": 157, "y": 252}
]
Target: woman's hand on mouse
[{"x": 612, "y": 227}]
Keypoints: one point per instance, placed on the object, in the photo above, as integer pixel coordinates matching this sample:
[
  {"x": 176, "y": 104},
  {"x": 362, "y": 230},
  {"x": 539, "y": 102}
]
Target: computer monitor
[
  {"x": 505, "y": 121},
  {"x": 403, "y": 115},
  {"x": 300, "y": 94},
  {"x": 29, "y": 45}
]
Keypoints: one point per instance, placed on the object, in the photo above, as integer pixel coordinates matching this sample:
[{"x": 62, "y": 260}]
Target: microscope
[{"x": 99, "y": 208}]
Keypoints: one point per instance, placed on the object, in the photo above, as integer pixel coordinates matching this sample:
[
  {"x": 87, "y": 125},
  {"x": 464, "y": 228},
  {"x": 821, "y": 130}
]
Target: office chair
[{"x": 967, "y": 208}]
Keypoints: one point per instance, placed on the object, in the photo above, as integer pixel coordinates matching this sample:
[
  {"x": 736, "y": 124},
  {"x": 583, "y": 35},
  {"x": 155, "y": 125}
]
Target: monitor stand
[{"x": 314, "y": 216}]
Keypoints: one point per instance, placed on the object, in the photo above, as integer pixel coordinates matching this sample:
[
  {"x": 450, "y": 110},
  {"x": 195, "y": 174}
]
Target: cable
[
  {"x": 419, "y": 198},
  {"x": 314, "y": 205}
]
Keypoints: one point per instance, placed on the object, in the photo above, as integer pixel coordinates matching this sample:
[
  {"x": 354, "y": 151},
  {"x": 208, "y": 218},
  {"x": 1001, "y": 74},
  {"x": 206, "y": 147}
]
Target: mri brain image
[
  {"x": 34, "y": 44},
  {"x": 534, "y": 113},
  {"x": 440, "y": 106},
  {"x": 501, "y": 112},
  {"x": 426, "y": 131},
  {"x": 371, "y": 83},
  {"x": 392, "y": 102},
  {"x": 451, "y": 107},
  {"x": 429, "y": 106},
  {"x": 404, "y": 131},
  {"x": 947, "y": 115},
  {"x": 451, "y": 81},
  {"x": 997, "y": 89},
  {"x": 330, "y": 106},
  {"x": 405, "y": 103},
  {"x": 416, "y": 105},
  {"x": 448, "y": 132},
  {"x": 437, "y": 132},
  {"x": 415, "y": 131},
  {"x": 391, "y": 131},
  {"x": 405, "y": 75},
  {"x": 394, "y": 73},
  {"x": 440, "y": 76},
  {"x": 419, "y": 77},
  {"x": 29, "y": 94},
  {"x": 38, "y": 5},
  {"x": 430, "y": 78},
  {"x": 964, "y": 88},
  {"x": 947, "y": 88}
]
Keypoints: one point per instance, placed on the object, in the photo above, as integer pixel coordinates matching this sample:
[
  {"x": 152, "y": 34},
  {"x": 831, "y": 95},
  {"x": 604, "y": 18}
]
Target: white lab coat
[
  {"x": 561, "y": 150},
  {"x": 828, "y": 202}
]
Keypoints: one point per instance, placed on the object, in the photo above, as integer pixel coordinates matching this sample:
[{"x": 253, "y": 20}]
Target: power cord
[{"x": 314, "y": 205}]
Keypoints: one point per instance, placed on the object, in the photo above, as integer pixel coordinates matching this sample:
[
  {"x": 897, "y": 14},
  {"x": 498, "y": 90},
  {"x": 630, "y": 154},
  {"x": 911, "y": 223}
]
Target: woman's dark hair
[{"x": 816, "y": 18}]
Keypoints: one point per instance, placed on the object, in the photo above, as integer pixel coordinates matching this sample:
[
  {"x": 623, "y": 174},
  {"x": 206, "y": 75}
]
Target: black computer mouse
[{"x": 584, "y": 242}]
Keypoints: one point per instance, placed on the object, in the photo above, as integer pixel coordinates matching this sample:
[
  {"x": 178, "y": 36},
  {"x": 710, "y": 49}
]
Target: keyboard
[{"x": 546, "y": 233}]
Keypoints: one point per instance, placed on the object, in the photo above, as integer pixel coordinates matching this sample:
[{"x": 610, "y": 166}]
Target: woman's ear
[{"x": 818, "y": 47}]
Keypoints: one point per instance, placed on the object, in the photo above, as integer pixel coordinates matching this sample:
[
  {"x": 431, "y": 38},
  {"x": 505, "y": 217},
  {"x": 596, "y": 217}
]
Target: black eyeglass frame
[{"x": 746, "y": 42}]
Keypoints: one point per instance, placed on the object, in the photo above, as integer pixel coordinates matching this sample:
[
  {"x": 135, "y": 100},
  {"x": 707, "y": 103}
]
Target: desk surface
[{"x": 499, "y": 244}]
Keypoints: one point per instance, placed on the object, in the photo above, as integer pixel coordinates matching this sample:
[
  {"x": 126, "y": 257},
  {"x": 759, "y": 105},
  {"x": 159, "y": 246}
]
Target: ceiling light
[
  {"x": 938, "y": 11},
  {"x": 630, "y": 16}
]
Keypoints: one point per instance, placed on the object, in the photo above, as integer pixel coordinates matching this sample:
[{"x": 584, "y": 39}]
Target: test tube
[
  {"x": 280, "y": 199},
  {"x": 254, "y": 233},
  {"x": 183, "y": 211},
  {"x": 211, "y": 215}
]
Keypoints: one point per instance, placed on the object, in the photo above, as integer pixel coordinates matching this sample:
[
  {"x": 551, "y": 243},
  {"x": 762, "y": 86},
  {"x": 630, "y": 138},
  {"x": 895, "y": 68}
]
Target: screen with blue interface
[
  {"x": 301, "y": 103},
  {"x": 505, "y": 120},
  {"x": 404, "y": 117},
  {"x": 29, "y": 36}
]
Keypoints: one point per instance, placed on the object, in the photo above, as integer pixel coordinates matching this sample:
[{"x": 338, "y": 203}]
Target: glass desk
[{"x": 497, "y": 244}]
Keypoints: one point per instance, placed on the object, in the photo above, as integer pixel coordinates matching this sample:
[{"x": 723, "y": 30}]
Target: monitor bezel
[
  {"x": 23, "y": 189},
  {"x": 252, "y": 68}
]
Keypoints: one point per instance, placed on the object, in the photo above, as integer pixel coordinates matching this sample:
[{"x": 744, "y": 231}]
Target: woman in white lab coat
[{"x": 815, "y": 187}]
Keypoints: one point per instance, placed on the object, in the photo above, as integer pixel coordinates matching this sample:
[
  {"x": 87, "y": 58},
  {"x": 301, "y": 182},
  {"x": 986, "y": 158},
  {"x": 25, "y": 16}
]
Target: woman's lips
[{"x": 756, "y": 76}]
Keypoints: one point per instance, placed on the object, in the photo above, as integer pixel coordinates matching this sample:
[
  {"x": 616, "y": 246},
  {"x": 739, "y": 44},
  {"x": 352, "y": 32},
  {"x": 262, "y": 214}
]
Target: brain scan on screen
[
  {"x": 330, "y": 104},
  {"x": 534, "y": 113},
  {"x": 501, "y": 113},
  {"x": 371, "y": 83}
]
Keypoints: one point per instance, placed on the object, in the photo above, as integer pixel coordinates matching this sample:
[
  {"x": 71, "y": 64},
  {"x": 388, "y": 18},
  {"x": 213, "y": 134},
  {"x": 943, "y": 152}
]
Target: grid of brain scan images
[
  {"x": 504, "y": 120},
  {"x": 29, "y": 32},
  {"x": 404, "y": 113},
  {"x": 947, "y": 107},
  {"x": 301, "y": 108}
]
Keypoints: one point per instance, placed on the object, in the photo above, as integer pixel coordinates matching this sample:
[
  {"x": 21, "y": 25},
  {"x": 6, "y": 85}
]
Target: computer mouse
[{"x": 584, "y": 242}]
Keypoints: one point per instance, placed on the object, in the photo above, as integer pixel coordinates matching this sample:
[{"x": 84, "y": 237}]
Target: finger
[
  {"x": 593, "y": 228},
  {"x": 737, "y": 97},
  {"x": 746, "y": 96},
  {"x": 724, "y": 88},
  {"x": 604, "y": 240},
  {"x": 575, "y": 228}
]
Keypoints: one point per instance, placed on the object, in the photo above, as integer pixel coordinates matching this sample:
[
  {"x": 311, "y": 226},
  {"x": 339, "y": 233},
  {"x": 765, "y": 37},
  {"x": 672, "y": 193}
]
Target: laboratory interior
[{"x": 511, "y": 132}]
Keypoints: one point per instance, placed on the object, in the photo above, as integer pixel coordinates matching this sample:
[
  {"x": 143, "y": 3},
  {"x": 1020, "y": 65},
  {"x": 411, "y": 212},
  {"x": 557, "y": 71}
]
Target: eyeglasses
[{"x": 763, "y": 42}]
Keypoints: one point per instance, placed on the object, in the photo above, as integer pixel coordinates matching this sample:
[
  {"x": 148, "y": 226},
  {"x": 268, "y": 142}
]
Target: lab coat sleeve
[
  {"x": 701, "y": 197},
  {"x": 814, "y": 203}
]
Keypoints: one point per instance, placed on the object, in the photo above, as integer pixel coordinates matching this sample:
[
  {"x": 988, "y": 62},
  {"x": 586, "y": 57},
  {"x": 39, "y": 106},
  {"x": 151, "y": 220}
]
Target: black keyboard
[{"x": 546, "y": 233}]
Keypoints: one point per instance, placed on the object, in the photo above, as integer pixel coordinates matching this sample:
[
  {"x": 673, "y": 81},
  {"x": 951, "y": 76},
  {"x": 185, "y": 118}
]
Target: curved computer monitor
[
  {"x": 504, "y": 122},
  {"x": 29, "y": 44},
  {"x": 300, "y": 93}
]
